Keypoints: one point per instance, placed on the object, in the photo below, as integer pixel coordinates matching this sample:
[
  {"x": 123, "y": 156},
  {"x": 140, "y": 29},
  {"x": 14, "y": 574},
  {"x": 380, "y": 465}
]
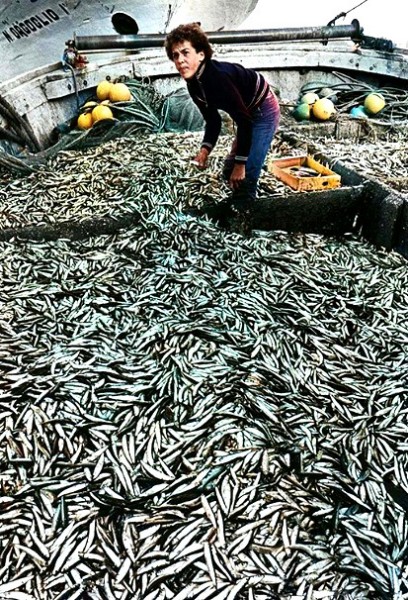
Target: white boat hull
[{"x": 33, "y": 34}]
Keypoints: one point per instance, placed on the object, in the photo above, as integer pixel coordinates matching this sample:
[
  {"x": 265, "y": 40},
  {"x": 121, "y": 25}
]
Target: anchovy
[{"x": 187, "y": 412}]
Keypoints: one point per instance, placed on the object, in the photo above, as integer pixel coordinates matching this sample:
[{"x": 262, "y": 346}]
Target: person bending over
[{"x": 242, "y": 93}]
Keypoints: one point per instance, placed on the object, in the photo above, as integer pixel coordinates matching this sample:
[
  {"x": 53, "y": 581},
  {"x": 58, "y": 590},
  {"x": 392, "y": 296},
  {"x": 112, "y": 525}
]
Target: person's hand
[
  {"x": 237, "y": 176},
  {"x": 201, "y": 160}
]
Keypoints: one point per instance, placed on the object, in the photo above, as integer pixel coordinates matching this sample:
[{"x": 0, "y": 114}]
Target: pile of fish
[
  {"x": 188, "y": 413},
  {"x": 76, "y": 186},
  {"x": 384, "y": 160}
]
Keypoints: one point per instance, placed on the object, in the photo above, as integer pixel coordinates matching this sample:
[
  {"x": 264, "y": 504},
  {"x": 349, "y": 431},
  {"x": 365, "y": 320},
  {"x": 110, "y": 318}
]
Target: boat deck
[{"x": 195, "y": 411}]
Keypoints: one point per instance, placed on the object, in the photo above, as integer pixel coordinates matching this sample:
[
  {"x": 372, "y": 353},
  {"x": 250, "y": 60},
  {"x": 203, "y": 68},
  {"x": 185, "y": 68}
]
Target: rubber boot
[
  {"x": 244, "y": 197},
  {"x": 243, "y": 201},
  {"x": 227, "y": 168},
  {"x": 229, "y": 161}
]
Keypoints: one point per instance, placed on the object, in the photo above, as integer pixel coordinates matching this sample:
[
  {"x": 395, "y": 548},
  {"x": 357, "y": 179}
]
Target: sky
[{"x": 379, "y": 18}]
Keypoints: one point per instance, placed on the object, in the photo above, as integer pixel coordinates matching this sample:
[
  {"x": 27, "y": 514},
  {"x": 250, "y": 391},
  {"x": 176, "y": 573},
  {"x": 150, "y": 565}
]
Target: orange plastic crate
[{"x": 285, "y": 169}]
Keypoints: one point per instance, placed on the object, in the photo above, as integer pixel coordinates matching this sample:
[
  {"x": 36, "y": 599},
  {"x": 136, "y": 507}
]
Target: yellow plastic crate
[{"x": 297, "y": 172}]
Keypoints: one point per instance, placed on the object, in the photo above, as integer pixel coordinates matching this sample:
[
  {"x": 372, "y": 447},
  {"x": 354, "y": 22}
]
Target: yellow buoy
[
  {"x": 119, "y": 92},
  {"x": 309, "y": 98},
  {"x": 85, "y": 120},
  {"x": 373, "y": 103},
  {"x": 89, "y": 104},
  {"x": 101, "y": 112},
  {"x": 323, "y": 109},
  {"x": 103, "y": 89}
]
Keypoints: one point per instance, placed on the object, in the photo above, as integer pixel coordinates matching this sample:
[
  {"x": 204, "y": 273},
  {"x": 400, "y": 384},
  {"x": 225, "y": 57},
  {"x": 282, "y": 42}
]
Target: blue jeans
[{"x": 265, "y": 123}]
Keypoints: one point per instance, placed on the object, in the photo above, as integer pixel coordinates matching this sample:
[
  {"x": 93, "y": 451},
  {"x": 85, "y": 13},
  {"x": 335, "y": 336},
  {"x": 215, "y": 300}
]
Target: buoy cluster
[
  {"x": 372, "y": 105},
  {"x": 107, "y": 94},
  {"x": 319, "y": 107}
]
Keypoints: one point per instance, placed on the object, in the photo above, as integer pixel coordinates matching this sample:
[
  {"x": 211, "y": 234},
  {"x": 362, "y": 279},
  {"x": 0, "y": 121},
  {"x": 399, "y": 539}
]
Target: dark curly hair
[{"x": 192, "y": 33}]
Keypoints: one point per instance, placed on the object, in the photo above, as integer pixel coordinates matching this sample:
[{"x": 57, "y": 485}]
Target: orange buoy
[
  {"x": 323, "y": 109},
  {"x": 119, "y": 92},
  {"x": 103, "y": 89},
  {"x": 85, "y": 120},
  {"x": 102, "y": 112}
]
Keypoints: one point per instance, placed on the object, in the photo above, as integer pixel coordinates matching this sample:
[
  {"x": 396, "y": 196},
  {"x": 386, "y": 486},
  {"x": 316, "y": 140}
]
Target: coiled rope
[{"x": 350, "y": 92}]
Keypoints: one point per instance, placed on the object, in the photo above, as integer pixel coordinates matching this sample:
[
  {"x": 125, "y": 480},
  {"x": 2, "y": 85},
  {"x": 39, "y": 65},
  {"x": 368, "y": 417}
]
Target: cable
[
  {"x": 351, "y": 92},
  {"x": 67, "y": 65},
  {"x": 19, "y": 124},
  {"x": 344, "y": 14}
]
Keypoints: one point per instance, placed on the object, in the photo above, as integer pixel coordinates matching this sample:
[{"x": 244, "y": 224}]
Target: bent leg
[
  {"x": 229, "y": 161},
  {"x": 266, "y": 121}
]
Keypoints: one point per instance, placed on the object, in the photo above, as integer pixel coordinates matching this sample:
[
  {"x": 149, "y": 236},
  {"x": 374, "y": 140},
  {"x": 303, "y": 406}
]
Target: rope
[
  {"x": 19, "y": 125},
  {"x": 351, "y": 92},
  {"x": 12, "y": 163},
  {"x": 74, "y": 79},
  {"x": 344, "y": 14}
]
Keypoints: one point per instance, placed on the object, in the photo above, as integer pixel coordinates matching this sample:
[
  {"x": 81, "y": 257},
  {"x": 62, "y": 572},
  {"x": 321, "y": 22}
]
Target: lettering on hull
[{"x": 23, "y": 29}]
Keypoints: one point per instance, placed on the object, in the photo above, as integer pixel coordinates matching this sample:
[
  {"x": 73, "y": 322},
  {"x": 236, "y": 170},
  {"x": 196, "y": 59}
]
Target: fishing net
[
  {"x": 181, "y": 113},
  {"x": 350, "y": 92},
  {"x": 147, "y": 112}
]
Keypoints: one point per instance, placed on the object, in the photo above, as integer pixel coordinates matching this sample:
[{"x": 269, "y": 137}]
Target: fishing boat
[
  {"x": 191, "y": 410},
  {"x": 127, "y": 41},
  {"x": 33, "y": 33}
]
